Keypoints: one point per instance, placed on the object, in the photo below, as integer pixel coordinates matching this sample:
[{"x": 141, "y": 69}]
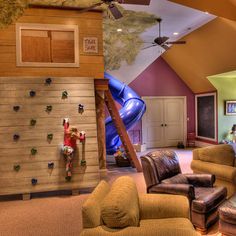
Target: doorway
[{"x": 164, "y": 123}]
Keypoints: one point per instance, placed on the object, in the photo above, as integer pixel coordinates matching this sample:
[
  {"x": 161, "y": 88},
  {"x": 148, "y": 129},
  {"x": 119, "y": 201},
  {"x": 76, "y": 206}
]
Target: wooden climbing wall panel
[{"x": 15, "y": 91}]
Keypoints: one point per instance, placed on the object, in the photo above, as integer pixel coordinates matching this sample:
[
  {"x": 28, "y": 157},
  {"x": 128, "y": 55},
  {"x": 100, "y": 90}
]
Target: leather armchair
[{"x": 162, "y": 174}]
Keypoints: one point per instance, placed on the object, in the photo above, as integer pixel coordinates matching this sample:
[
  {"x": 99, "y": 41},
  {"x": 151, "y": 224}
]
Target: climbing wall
[{"x": 31, "y": 133}]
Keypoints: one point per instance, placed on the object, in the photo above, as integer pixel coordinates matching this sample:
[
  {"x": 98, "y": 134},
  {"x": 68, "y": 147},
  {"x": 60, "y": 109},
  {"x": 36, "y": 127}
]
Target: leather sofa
[
  {"x": 219, "y": 160},
  {"x": 120, "y": 211},
  {"x": 162, "y": 174}
]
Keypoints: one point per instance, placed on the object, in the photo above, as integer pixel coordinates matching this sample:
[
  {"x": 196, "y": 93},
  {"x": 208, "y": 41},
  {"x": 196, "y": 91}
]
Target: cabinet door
[
  {"x": 174, "y": 121},
  {"x": 153, "y": 129}
]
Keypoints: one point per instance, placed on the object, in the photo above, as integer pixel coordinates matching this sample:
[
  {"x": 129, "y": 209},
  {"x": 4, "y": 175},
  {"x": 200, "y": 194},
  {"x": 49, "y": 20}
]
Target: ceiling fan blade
[
  {"x": 115, "y": 11},
  {"x": 138, "y": 2},
  {"x": 176, "y": 42},
  {"x": 165, "y": 46},
  {"x": 150, "y": 46}
]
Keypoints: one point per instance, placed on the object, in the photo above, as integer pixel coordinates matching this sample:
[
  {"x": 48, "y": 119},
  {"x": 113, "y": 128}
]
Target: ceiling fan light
[{"x": 176, "y": 33}]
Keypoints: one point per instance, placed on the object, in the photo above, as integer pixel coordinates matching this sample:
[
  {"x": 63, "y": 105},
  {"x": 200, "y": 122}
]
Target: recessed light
[
  {"x": 175, "y": 33},
  {"x": 119, "y": 30}
]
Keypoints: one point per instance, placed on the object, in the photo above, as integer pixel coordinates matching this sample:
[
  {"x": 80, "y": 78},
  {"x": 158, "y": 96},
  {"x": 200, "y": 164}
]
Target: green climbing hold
[
  {"x": 33, "y": 151},
  {"x": 50, "y": 137},
  {"x": 68, "y": 178},
  {"x": 48, "y": 108},
  {"x": 64, "y": 94},
  {"x": 83, "y": 163},
  {"x": 16, "y": 167},
  {"x": 33, "y": 122}
]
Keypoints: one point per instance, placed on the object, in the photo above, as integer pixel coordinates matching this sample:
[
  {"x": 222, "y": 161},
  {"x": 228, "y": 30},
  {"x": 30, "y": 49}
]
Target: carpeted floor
[{"x": 61, "y": 216}]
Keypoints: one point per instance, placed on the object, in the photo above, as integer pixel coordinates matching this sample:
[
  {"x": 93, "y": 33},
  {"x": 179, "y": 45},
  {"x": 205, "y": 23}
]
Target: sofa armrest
[
  {"x": 158, "y": 206},
  {"x": 195, "y": 154},
  {"x": 201, "y": 180},
  {"x": 186, "y": 190}
]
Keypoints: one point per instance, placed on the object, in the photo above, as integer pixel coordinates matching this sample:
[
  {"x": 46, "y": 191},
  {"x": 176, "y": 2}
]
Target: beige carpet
[{"x": 61, "y": 216}]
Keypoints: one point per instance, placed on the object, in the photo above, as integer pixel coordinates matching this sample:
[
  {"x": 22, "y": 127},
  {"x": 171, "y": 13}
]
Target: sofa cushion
[
  {"x": 91, "y": 209},
  {"x": 158, "y": 206},
  {"x": 227, "y": 173},
  {"x": 220, "y": 154},
  {"x": 120, "y": 207},
  {"x": 153, "y": 227},
  {"x": 208, "y": 199},
  {"x": 177, "y": 179}
]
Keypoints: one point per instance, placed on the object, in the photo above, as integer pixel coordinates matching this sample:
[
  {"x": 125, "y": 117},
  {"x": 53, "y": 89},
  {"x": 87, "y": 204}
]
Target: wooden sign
[{"x": 90, "y": 44}]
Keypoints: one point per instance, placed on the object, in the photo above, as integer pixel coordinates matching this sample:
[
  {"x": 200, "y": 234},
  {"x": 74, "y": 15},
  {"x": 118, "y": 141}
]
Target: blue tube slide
[{"x": 133, "y": 108}]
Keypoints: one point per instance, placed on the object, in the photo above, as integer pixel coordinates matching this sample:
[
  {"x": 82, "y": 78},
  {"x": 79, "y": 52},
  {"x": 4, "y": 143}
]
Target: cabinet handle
[
  {"x": 165, "y": 124},
  {"x": 162, "y": 125}
]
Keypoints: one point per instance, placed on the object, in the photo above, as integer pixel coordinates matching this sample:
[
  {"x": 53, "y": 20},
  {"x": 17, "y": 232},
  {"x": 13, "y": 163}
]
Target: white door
[{"x": 163, "y": 123}]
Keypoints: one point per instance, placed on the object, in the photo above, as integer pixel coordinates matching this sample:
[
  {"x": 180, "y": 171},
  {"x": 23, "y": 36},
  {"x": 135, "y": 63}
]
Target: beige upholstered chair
[
  {"x": 120, "y": 211},
  {"x": 218, "y": 160}
]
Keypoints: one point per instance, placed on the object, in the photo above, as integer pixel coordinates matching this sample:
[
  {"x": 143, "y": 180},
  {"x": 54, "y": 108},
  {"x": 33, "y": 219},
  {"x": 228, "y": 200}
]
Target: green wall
[{"x": 226, "y": 90}]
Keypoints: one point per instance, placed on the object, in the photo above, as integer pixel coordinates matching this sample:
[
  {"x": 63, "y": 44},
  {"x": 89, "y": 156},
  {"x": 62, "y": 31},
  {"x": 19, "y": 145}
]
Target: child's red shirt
[{"x": 68, "y": 140}]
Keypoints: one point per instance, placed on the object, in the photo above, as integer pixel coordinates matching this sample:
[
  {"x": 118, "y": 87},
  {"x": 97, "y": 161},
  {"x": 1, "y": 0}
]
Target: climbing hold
[
  {"x": 64, "y": 94},
  {"x": 83, "y": 163},
  {"x": 50, "y": 165},
  {"x": 16, "y": 137},
  {"x": 68, "y": 178},
  {"x": 33, "y": 122},
  {"x": 33, "y": 151},
  {"x": 48, "y": 81},
  {"x": 82, "y": 136},
  {"x": 16, "y": 108},
  {"x": 49, "y": 137},
  {"x": 81, "y": 108},
  {"x": 48, "y": 108},
  {"x": 16, "y": 167},
  {"x": 32, "y": 93},
  {"x": 34, "y": 181}
]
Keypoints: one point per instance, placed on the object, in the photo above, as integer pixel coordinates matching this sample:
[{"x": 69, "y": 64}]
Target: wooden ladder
[{"x": 121, "y": 130}]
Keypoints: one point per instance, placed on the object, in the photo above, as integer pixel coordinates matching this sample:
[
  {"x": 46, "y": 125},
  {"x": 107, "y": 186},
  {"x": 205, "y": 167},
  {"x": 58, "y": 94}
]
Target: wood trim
[
  {"x": 121, "y": 130},
  {"x": 41, "y": 6},
  {"x": 101, "y": 84}
]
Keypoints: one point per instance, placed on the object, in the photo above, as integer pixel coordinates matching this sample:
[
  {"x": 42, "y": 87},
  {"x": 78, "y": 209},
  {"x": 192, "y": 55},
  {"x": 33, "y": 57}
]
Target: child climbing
[{"x": 70, "y": 137}]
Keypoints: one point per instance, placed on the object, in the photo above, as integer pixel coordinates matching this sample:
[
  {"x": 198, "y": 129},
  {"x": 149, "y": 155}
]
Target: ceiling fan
[
  {"x": 111, "y": 6},
  {"x": 163, "y": 40}
]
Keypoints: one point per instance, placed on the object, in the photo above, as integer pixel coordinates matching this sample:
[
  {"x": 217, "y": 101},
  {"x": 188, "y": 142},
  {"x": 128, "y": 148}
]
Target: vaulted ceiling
[
  {"x": 222, "y": 8},
  {"x": 210, "y": 49}
]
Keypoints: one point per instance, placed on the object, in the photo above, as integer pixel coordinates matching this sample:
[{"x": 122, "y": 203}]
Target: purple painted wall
[{"x": 159, "y": 79}]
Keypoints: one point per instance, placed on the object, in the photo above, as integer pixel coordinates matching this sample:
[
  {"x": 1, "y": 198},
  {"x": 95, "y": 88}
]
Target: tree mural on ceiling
[{"x": 119, "y": 47}]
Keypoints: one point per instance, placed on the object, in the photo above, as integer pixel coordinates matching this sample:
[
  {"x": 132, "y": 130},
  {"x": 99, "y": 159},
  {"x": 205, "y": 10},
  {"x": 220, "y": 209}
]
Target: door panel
[
  {"x": 153, "y": 120},
  {"x": 174, "y": 117},
  {"x": 154, "y": 136}
]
